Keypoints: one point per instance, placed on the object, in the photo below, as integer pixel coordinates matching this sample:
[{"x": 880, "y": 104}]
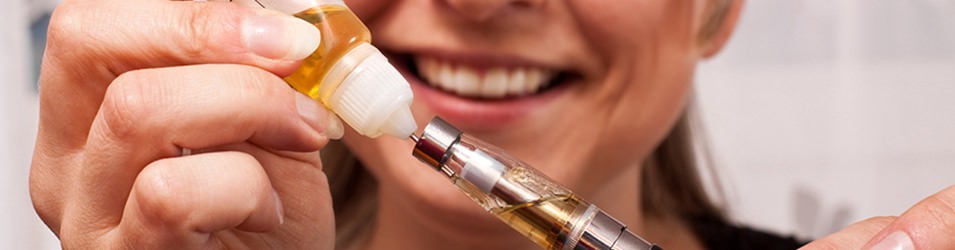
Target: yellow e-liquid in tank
[
  {"x": 545, "y": 212},
  {"x": 346, "y": 73}
]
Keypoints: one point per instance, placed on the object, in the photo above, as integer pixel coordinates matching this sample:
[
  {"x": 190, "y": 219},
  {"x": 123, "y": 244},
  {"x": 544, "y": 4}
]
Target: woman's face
[{"x": 580, "y": 89}]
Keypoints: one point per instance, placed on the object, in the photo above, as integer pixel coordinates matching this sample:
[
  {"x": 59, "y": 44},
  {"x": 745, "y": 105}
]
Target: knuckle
[
  {"x": 158, "y": 194},
  {"x": 63, "y": 20},
  {"x": 65, "y": 23},
  {"x": 196, "y": 27},
  {"x": 127, "y": 106},
  {"x": 204, "y": 25}
]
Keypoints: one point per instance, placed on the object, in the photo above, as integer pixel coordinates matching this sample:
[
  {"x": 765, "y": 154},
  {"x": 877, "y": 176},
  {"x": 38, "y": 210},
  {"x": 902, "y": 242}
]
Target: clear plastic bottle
[{"x": 346, "y": 73}]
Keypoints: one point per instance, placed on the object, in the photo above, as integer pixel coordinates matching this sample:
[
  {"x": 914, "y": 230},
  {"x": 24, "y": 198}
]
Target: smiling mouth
[{"x": 487, "y": 82}]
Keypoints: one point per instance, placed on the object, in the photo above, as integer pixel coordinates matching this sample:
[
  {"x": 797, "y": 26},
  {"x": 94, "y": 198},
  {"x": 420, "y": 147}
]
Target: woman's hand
[
  {"x": 930, "y": 224},
  {"x": 126, "y": 85}
]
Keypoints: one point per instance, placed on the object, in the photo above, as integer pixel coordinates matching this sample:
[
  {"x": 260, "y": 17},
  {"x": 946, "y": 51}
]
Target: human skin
[
  {"x": 633, "y": 61},
  {"x": 121, "y": 94},
  {"x": 127, "y": 84}
]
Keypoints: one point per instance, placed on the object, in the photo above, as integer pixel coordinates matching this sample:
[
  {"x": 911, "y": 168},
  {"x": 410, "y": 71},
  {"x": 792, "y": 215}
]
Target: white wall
[{"x": 821, "y": 113}]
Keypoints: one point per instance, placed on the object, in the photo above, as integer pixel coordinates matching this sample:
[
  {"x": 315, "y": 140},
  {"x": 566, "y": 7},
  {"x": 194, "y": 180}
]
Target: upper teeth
[{"x": 496, "y": 82}]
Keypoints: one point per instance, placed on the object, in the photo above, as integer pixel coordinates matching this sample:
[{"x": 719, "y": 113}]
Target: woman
[{"x": 602, "y": 110}]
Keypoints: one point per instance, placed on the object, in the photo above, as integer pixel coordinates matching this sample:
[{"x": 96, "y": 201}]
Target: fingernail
[
  {"x": 334, "y": 129},
  {"x": 280, "y": 37},
  {"x": 310, "y": 111},
  {"x": 279, "y": 209},
  {"x": 898, "y": 240}
]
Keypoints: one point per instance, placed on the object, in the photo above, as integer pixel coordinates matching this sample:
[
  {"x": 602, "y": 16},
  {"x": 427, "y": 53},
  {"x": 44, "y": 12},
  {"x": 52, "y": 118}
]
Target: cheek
[
  {"x": 614, "y": 27},
  {"x": 650, "y": 52},
  {"x": 647, "y": 105}
]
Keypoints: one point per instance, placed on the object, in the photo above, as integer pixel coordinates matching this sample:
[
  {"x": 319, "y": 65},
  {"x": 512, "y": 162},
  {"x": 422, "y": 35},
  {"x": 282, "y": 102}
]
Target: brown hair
[
  {"x": 354, "y": 194},
  {"x": 671, "y": 186}
]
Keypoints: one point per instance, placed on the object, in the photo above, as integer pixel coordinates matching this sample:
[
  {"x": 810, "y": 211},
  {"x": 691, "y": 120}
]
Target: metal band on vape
[
  {"x": 482, "y": 171},
  {"x": 605, "y": 232},
  {"x": 434, "y": 145}
]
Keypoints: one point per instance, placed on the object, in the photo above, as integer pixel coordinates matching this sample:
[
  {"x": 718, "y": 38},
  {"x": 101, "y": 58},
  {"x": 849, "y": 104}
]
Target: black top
[{"x": 716, "y": 234}]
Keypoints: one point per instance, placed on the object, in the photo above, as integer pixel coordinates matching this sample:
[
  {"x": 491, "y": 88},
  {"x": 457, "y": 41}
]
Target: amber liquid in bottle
[{"x": 341, "y": 31}]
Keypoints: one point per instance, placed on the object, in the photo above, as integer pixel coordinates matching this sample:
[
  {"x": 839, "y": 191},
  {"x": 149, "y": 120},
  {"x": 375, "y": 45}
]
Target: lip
[{"x": 477, "y": 115}]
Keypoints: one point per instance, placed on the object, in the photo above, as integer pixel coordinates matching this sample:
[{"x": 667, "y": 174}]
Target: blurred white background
[
  {"x": 819, "y": 112},
  {"x": 20, "y": 227}
]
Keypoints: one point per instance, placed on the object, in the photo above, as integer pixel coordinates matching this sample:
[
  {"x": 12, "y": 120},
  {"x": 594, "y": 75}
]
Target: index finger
[
  {"x": 90, "y": 43},
  {"x": 203, "y": 106}
]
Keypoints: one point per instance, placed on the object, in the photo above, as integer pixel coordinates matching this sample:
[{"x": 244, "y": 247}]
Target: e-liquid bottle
[{"x": 346, "y": 73}]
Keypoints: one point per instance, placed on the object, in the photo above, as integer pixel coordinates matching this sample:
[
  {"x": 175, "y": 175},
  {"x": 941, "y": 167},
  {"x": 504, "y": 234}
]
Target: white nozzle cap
[
  {"x": 400, "y": 124},
  {"x": 374, "y": 98}
]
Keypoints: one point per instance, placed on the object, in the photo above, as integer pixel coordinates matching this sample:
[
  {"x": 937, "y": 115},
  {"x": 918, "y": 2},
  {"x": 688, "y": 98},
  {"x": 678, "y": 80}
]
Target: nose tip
[{"x": 482, "y": 10}]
